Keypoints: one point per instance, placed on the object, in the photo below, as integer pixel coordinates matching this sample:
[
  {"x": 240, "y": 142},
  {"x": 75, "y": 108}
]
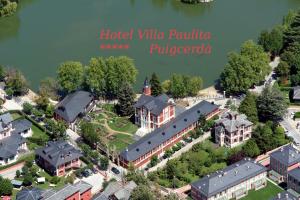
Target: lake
[{"x": 45, "y": 33}]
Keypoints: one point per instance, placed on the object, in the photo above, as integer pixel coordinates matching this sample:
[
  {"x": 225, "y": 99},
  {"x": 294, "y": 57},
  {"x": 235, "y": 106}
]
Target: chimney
[{"x": 147, "y": 88}]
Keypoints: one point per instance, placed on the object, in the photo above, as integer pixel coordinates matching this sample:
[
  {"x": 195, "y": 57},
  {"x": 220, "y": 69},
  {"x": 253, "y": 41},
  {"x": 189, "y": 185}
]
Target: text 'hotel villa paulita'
[{"x": 160, "y": 44}]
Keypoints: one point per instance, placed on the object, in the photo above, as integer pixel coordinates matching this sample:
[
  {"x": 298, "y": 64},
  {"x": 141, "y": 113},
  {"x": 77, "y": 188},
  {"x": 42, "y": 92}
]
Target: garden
[
  {"x": 270, "y": 191},
  {"x": 117, "y": 131}
]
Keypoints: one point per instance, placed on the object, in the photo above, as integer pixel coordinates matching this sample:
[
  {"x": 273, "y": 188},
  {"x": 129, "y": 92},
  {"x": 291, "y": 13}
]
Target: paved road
[
  {"x": 269, "y": 80},
  {"x": 290, "y": 125},
  {"x": 10, "y": 172}
]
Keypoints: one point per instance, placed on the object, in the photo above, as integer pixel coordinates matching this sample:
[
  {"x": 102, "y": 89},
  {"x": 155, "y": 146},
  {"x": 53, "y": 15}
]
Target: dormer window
[
  {"x": 149, "y": 142},
  {"x": 137, "y": 149}
]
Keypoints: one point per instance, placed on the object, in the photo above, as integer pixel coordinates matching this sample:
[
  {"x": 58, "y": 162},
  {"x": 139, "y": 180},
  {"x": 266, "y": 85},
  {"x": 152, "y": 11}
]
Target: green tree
[
  {"x": 238, "y": 75},
  {"x": 42, "y": 101},
  {"x": 89, "y": 133},
  {"x": 248, "y": 107},
  {"x": 272, "y": 42},
  {"x": 172, "y": 196},
  {"x": 142, "y": 192},
  {"x": 104, "y": 162},
  {"x": 283, "y": 71},
  {"x": 177, "y": 86},
  {"x": 292, "y": 34},
  {"x": 16, "y": 82},
  {"x": 27, "y": 108},
  {"x": 5, "y": 187},
  {"x": 194, "y": 85},
  {"x": 49, "y": 111},
  {"x": 259, "y": 60},
  {"x": 271, "y": 104},
  {"x": 126, "y": 98},
  {"x": 50, "y": 87},
  {"x": 28, "y": 179},
  {"x": 156, "y": 88},
  {"x": 251, "y": 149},
  {"x": 118, "y": 70},
  {"x": 18, "y": 173},
  {"x": 2, "y": 73},
  {"x": 95, "y": 76},
  {"x": 70, "y": 76},
  {"x": 154, "y": 161},
  {"x": 288, "y": 19}
]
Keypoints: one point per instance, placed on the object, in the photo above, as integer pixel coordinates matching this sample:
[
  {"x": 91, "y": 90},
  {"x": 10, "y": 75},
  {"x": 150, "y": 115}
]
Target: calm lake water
[{"x": 45, "y": 33}]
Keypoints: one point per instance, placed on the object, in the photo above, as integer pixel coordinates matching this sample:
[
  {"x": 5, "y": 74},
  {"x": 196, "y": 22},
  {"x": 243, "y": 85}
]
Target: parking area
[{"x": 96, "y": 180}]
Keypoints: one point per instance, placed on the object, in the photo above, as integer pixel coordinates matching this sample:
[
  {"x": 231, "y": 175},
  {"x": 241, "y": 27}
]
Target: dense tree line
[
  {"x": 103, "y": 76},
  {"x": 245, "y": 69},
  {"x": 7, "y": 7}
]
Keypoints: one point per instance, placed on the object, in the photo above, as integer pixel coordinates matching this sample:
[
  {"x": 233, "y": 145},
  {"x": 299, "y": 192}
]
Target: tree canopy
[
  {"x": 248, "y": 107},
  {"x": 70, "y": 76},
  {"x": 156, "y": 88},
  {"x": 271, "y": 104}
]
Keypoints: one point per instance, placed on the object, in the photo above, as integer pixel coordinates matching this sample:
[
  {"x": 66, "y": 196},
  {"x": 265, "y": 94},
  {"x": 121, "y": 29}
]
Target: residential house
[
  {"x": 282, "y": 161},
  {"x": 293, "y": 181},
  {"x": 117, "y": 191},
  {"x": 74, "y": 106},
  {"x": 12, "y": 138},
  {"x": 78, "y": 191},
  {"x": 233, "y": 182},
  {"x": 166, "y": 136},
  {"x": 57, "y": 157},
  {"x": 152, "y": 112},
  {"x": 232, "y": 129}
]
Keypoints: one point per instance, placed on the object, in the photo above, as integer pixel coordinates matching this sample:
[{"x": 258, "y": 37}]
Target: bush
[{"x": 54, "y": 180}]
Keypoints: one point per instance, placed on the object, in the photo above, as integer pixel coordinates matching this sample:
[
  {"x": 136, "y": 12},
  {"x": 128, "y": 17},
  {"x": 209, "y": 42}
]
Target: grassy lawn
[
  {"x": 120, "y": 141},
  {"x": 122, "y": 124},
  {"x": 109, "y": 107},
  {"x": 266, "y": 193},
  {"x": 36, "y": 133}
]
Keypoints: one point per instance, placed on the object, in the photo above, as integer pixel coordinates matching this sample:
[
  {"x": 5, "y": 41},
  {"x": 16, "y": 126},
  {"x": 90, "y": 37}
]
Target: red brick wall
[
  {"x": 75, "y": 196},
  {"x": 87, "y": 195}
]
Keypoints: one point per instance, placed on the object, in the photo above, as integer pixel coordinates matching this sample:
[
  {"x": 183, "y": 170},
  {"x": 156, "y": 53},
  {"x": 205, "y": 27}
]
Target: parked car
[
  {"x": 85, "y": 173},
  {"x": 115, "y": 170},
  {"x": 95, "y": 171}
]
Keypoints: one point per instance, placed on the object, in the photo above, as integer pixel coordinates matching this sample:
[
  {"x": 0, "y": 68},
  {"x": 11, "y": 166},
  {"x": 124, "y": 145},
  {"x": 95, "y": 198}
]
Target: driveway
[
  {"x": 290, "y": 125},
  {"x": 96, "y": 180},
  {"x": 10, "y": 172}
]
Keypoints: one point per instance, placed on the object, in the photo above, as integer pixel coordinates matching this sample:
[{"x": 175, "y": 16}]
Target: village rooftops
[
  {"x": 66, "y": 191},
  {"x": 232, "y": 175},
  {"x": 287, "y": 155},
  {"x": 58, "y": 153},
  {"x": 29, "y": 194},
  {"x": 20, "y": 126},
  {"x": 9, "y": 146},
  {"x": 73, "y": 104},
  {"x": 5, "y": 120},
  {"x": 167, "y": 131},
  {"x": 118, "y": 189},
  {"x": 231, "y": 121},
  {"x": 154, "y": 104},
  {"x": 295, "y": 173}
]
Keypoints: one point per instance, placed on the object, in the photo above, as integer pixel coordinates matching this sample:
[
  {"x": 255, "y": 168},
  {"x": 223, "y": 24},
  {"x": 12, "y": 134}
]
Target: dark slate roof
[
  {"x": 5, "y": 119},
  {"x": 58, "y": 152},
  {"x": 295, "y": 173},
  {"x": 73, "y": 104},
  {"x": 232, "y": 175},
  {"x": 67, "y": 191},
  {"x": 29, "y": 194},
  {"x": 167, "y": 131},
  {"x": 287, "y": 155},
  {"x": 118, "y": 189},
  {"x": 285, "y": 195},
  {"x": 154, "y": 104},
  {"x": 9, "y": 145},
  {"x": 20, "y": 126},
  {"x": 296, "y": 93}
]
